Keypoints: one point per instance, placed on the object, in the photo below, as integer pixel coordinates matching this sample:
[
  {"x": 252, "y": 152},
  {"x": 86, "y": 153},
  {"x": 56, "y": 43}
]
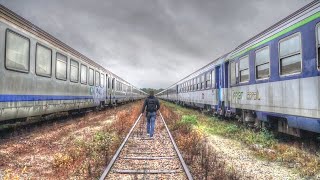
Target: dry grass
[
  {"x": 75, "y": 149},
  {"x": 263, "y": 143},
  {"x": 201, "y": 158},
  {"x": 86, "y": 158}
]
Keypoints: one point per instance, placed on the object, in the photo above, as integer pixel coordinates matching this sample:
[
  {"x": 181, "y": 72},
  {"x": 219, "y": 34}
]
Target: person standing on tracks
[{"x": 151, "y": 105}]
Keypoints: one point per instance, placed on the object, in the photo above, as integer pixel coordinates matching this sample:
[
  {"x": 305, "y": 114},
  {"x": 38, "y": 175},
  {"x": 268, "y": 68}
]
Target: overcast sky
[{"x": 153, "y": 43}]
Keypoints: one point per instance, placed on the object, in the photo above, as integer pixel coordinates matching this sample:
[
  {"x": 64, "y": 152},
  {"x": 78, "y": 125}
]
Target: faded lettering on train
[{"x": 237, "y": 95}]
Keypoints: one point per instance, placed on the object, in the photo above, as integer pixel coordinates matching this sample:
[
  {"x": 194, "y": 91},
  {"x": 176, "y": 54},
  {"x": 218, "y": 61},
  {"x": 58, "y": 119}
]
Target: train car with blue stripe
[
  {"x": 274, "y": 77},
  {"x": 272, "y": 80},
  {"x": 40, "y": 75}
]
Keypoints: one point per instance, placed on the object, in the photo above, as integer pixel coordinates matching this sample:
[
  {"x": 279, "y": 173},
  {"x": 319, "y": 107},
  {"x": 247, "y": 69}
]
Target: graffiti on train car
[
  {"x": 237, "y": 95},
  {"x": 251, "y": 95}
]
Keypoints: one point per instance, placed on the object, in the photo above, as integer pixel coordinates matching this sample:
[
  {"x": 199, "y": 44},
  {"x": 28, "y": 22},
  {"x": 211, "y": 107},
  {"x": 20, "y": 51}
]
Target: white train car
[{"x": 40, "y": 75}]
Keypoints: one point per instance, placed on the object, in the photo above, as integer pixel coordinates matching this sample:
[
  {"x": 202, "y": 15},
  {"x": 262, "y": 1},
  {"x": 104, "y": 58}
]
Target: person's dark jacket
[{"x": 146, "y": 102}]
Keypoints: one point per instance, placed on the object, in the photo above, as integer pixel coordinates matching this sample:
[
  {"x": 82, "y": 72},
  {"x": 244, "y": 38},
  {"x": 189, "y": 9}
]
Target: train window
[
  {"x": 97, "y": 78},
  {"x": 61, "y": 67},
  {"x": 208, "y": 80},
  {"x": 194, "y": 84},
  {"x": 112, "y": 85},
  {"x": 91, "y": 77},
  {"x": 199, "y": 83},
  {"x": 233, "y": 73},
  {"x": 318, "y": 44},
  {"x": 244, "y": 69},
  {"x": 43, "y": 60},
  {"x": 202, "y": 81},
  {"x": 83, "y": 74},
  {"x": 262, "y": 63},
  {"x": 213, "y": 79},
  {"x": 109, "y": 83},
  {"x": 102, "y": 80},
  {"x": 17, "y": 52},
  {"x": 74, "y": 71},
  {"x": 290, "y": 55}
]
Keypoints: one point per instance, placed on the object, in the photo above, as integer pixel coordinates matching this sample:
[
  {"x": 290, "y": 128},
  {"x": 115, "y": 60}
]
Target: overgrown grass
[
  {"x": 201, "y": 159},
  {"x": 263, "y": 143},
  {"x": 87, "y": 155}
]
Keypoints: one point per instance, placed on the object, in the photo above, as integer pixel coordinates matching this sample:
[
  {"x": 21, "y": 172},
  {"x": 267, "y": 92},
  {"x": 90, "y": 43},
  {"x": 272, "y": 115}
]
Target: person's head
[{"x": 151, "y": 93}]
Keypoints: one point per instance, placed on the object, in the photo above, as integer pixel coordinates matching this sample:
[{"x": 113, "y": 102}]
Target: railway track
[{"x": 140, "y": 157}]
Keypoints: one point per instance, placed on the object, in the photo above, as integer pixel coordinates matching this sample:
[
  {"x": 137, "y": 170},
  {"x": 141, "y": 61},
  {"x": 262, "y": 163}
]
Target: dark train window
[
  {"x": 97, "y": 78},
  {"x": 318, "y": 44},
  {"x": 262, "y": 63},
  {"x": 17, "y": 52},
  {"x": 290, "y": 55},
  {"x": 244, "y": 69},
  {"x": 91, "y": 77},
  {"x": 208, "y": 80},
  {"x": 102, "y": 80},
  {"x": 83, "y": 74},
  {"x": 61, "y": 67},
  {"x": 233, "y": 73},
  {"x": 194, "y": 84},
  {"x": 198, "y": 83},
  {"x": 43, "y": 61},
  {"x": 74, "y": 71},
  {"x": 213, "y": 79},
  {"x": 112, "y": 85}
]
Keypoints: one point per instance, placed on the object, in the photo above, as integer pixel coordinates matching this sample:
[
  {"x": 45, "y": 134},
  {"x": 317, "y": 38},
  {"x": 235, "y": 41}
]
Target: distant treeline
[{"x": 147, "y": 90}]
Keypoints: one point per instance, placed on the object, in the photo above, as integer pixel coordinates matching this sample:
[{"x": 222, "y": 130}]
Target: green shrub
[
  {"x": 189, "y": 119},
  {"x": 231, "y": 129}
]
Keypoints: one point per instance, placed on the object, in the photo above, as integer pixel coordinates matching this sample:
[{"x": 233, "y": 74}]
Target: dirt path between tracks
[{"x": 76, "y": 149}]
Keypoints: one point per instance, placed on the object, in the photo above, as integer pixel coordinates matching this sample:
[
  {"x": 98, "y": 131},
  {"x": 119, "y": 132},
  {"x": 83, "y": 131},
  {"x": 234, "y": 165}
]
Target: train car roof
[{"x": 308, "y": 12}]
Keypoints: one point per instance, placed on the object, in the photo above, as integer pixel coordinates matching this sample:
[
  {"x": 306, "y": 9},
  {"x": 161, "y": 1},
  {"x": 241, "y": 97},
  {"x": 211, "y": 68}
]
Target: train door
[
  {"x": 107, "y": 86},
  {"x": 219, "y": 94}
]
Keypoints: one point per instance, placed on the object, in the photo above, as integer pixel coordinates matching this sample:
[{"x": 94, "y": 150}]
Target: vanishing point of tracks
[{"x": 140, "y": 157}]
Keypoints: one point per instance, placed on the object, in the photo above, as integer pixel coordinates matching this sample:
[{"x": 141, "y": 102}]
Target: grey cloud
[{"x": 153, "y": 43}]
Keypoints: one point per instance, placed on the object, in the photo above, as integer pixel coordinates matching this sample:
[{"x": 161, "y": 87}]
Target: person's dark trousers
[{"x": 151, "y": 119}]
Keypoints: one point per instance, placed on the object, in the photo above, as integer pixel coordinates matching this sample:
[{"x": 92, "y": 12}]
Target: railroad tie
[
  {"x": 127, "y": 171},
  {"x": 149, "y": 158}
]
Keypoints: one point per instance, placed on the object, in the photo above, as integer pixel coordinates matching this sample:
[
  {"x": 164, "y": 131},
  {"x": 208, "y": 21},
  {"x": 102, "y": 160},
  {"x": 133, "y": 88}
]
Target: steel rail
[
  {"x": 184, "y": 165},
  {"x": 107, "y": 170}
]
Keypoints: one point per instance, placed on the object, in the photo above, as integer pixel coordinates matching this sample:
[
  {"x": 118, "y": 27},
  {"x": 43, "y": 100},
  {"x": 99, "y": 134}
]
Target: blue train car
[{"x": 271, "y": 80}]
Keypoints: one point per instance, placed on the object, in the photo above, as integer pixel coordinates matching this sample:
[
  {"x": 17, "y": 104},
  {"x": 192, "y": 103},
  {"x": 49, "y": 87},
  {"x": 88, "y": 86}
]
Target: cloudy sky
[{"x": 153, "y": 43}]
